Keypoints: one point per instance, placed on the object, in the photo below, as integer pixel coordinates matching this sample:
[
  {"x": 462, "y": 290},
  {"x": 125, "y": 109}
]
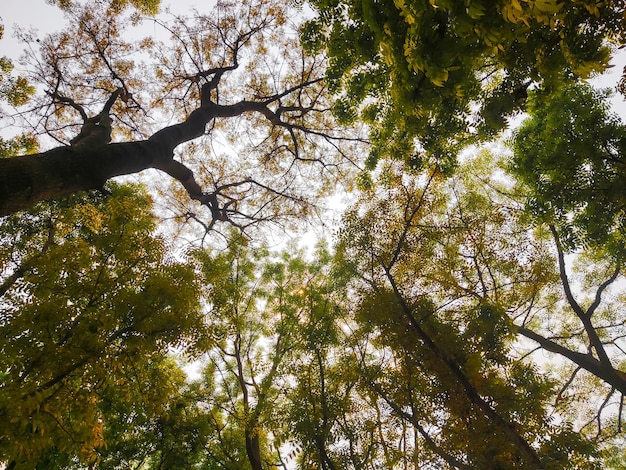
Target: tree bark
[
  {"x": 253, "y": 449},
  {"x": 605, "y": 372},
  {"x": 29, "y": 179}
]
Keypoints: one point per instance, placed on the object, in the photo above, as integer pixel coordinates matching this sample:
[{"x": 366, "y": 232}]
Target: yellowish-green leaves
[
  {"x": 441, "y": 268},
  {"x": 14, "y": 90},
  {"x": 87, "y": 293},
  {"x": 529, "y": 11},
  {"x": 444, "y": 58},
  {"x": 146, "y": 7}
]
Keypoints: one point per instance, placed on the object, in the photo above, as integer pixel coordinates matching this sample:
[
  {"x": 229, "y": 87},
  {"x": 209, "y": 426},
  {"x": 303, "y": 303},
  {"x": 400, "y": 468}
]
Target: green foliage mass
[
  {"x": 440, "y": 270},
  {"x": 271, "y": 318},
  {"x": 397, "y": 351},
  {"x": 570, "y": 156},
  {"x": 418, "y": 70}
]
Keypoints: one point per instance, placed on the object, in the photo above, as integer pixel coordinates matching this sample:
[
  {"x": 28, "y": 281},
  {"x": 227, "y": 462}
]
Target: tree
[
  {"x": 568, "y": 158},
  {"x": 442, "y": 270},
  {"x": 416, "y": 70},
  {"x": 153, "y": 421},
  {"x": 588, "y": 334},
  {"x": 240, "y": 62},
  {"x": 269, "y": 314},
  {"x": 241, "y": 371},
  {"x": 88, "y": 298}
]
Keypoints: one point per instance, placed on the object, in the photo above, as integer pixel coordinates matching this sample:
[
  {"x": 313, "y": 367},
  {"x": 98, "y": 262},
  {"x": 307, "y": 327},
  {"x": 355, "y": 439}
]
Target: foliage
[
  {"x": 441, "y": 269},
  {"x": 23, "y": 143},
  {"x": 570, "y": 156},
  {"x": 268, "y": 312},
  {"x": 416, "y": 70},
  {"x": 146, "y": 7},
  {"x": 568, "y": 162},
  {"x": 15, "y": 91},
  {"x": 238, "y": 379},
  {"x": 160, "y": 424},
  {"x": 181, "y": 98},
  {"x": 88, "y": 299},
  {"x": 400, "y": 352}
]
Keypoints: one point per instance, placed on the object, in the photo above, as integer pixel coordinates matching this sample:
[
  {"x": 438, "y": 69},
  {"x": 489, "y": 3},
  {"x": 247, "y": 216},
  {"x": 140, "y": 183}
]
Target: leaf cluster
[{"x": 569, "y": 155}]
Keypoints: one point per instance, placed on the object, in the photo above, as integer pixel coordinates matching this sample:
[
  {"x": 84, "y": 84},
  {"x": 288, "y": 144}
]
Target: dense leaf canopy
[
  {"x": 89, "y": 300},
  {"x": 571, "y": 154},
  {"x": 429, "y": 75}
]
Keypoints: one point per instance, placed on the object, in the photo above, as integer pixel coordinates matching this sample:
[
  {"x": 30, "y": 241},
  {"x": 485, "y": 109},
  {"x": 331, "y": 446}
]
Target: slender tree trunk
[{"x": 253, "y": 449}]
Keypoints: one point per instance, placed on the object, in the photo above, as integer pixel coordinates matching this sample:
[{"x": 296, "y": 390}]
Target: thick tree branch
[{"x": 606, "y": 372}]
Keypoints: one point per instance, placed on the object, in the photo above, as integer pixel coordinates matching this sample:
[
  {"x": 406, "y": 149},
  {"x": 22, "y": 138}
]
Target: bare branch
[{"x": 563, "y": 273}]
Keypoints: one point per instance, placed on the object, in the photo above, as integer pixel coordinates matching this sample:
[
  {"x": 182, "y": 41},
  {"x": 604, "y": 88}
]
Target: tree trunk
[
  {"x": 29, "y": 179},
  {"x": 253, "y": 449}
]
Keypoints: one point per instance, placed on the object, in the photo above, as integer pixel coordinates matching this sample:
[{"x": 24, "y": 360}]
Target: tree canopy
[
  {"x": 431, "y": 76},
  {"x": 115, "y": 114},
  {"x": 465, "y": 312}
]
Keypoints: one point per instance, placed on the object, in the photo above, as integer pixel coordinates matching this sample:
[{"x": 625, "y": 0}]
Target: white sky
[
  {"x": 26, "y": 13},
  {"x": 47, "y": 19},
  {"x": 610, "y": 79}
]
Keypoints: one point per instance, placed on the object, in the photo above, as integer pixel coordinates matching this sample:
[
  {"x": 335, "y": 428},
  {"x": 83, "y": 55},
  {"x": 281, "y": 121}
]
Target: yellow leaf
[
  {"x": 594, "y": 10},
  {"x": 548, "y": 6}
]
